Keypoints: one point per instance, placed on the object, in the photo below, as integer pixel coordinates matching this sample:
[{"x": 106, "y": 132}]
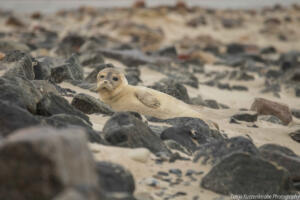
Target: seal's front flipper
[{"x": 147, "y": 99}]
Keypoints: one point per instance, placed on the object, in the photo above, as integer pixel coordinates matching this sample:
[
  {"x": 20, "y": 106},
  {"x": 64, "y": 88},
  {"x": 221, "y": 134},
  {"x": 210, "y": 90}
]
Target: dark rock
[
  {"x": 247, "y": 117},
  {"x": 173, "y": 145},
  {"x": 21, "y": 92},
  {"x": 197, "y": 21},
  {"x": 9, "y": 45},
  {"x": 181, "y": 135},
  {"x": 66, "y": 121},
  {"x": 69, "y": 45},
  {"x": 235, "y": 48},
  {"x": 173, "y": 88},
  {"x": 211, "y": 103},
  {"x": 292, "y": 76},
  {"x": 89, "y": 105},
  {"x": 272, "y": 21},
  {"x": 214, "y": 49},
  {"x": 169, "y": 51},
  {"x": 133, "y": 75},
  {"x": 217, "y": 150},
  {"x": 42, "y": 69},
  {"x": 197, "y": 129},
  {"x": 272, "y": 86},
  {"x": 42, "y": 162},
  {"x": 114, "y": 178},
  {"x": 296, "y": 113},
  {"x": 158, "y": 129},
  {"x": 13, "y": 118},
  {"x": 92, "y": 77},
  {"x": 45, "y": 87},
  {"x": 295, "y": 136},
  {"x": 224, "y": 86},
  {"x": 185, "y": 78},
  {"x": 289, "y": 60},
  {"x": 124, "y": 129},
  {"x": 231, "y": 23},
  {"x": 13, "y": 56},
  {"x": 245, "y": 77},
  {"x": 52, "y": 104},
  {"x": 268, "y": 50},
  {"x": 71, "y": 70},
  {"x": 283, "y": 157},
  {"x": 241, "y": 76},
  {"x": 270, "y": 118},
  {"x": 91, "y": 59},
  {"x": 75, "y": 67},
  {"x": 239, "y": 88},
  {"x": 233, "y": 121},
  {"x": 14, "y": 21},
  {"x": 273, "y": 74},
  {"x": 130, "y": 58},
  {"x": 176, "y": 156},
  {"x": 161, "y": 173},
  {"x": 297, "y": 92},
  {"x": 241, "y": 173},
  {"x": 177, "y": 172},
  {"x": 23, "y": 68},
  {"x": 267, "y": 107},
  {"x": 277, "y": 148}
]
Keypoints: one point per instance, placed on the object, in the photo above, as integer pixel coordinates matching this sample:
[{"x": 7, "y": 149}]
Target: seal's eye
[
  {"x": 102, "y": 76},
  {"x": 115, "y": 78}
]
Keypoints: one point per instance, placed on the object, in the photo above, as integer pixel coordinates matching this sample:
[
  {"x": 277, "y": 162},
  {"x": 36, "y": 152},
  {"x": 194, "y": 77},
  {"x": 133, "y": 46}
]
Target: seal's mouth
[{"x": 104, "y": 88}]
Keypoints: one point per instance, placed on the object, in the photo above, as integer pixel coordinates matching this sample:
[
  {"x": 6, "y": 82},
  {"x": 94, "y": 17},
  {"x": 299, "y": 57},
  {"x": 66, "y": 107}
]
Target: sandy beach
[{"x": 202, "y": 39}]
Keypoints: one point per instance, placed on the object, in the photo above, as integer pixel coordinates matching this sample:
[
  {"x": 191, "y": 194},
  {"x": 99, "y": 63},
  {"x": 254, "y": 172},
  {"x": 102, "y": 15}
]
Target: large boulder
[
  {"x": 39, "y": 163},
  {"x": 126, "y": 130},
  {"x": 113, "y": 178},
  {"x": 215, "y": 151},
  {"x": 89, "y": 105},
  {"x": 197, "y": 128},
  {"x": 283, "y": 157},
  {"x": 13, "y": 118},
  {"x": 52, "y": 104},
  {"x": 21, "y": 92},
  {"x": 66, "y": 121},
  {"x": 70, "y": 70},
  {"x": 242, "y": 173},
  {"x": 22, "y": 68}
]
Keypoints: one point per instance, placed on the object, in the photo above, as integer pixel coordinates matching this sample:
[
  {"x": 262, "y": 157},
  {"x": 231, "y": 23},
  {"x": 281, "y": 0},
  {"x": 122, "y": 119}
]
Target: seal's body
[{"x": 114, "y": 90}]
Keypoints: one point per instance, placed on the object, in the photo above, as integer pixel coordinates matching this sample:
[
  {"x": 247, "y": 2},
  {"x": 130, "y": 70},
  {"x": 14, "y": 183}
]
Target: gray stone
[
  {"x": 241, "y": 173},
  {"x": 39, "y": 163},
  {"x": 89, "y": 105}
]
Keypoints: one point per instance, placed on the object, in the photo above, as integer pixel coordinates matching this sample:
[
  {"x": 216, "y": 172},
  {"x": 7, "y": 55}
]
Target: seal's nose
[{"x": 105, "y": 82}]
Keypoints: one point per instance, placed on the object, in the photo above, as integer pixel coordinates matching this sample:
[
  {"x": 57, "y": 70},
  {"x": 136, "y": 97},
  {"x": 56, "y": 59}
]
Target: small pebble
[
  {"x": 176, "y": 172},
  {"x": 151, "y": 182}
]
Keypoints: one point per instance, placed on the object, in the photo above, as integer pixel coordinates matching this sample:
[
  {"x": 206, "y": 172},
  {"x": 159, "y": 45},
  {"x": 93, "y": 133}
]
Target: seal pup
[{"x": 114, "y": 90}]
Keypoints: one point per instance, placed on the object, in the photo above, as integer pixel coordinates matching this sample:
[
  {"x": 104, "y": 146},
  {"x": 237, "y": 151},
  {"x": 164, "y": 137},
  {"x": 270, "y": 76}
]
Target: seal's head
[{"x": 110, "y": 82}]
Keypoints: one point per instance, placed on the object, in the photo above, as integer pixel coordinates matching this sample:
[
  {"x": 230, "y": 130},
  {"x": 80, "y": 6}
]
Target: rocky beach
[{"x": 240, "y": 68}]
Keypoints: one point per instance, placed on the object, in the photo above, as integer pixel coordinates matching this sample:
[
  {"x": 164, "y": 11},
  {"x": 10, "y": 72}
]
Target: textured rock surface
[
  {"x": 267, "y": 107},
  {"x": 124, "y": 129},
  {"x": 89, "y": 105},
  {"x": 50, "y": 160},
  {"x": 242, "y": 173}
]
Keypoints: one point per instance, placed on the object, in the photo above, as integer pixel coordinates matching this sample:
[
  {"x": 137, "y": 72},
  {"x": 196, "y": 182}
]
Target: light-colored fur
[{"x": 123, "y": 97}]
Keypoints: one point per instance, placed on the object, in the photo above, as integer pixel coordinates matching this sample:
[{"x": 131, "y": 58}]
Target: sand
[{"x": 173, "y": 26}]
